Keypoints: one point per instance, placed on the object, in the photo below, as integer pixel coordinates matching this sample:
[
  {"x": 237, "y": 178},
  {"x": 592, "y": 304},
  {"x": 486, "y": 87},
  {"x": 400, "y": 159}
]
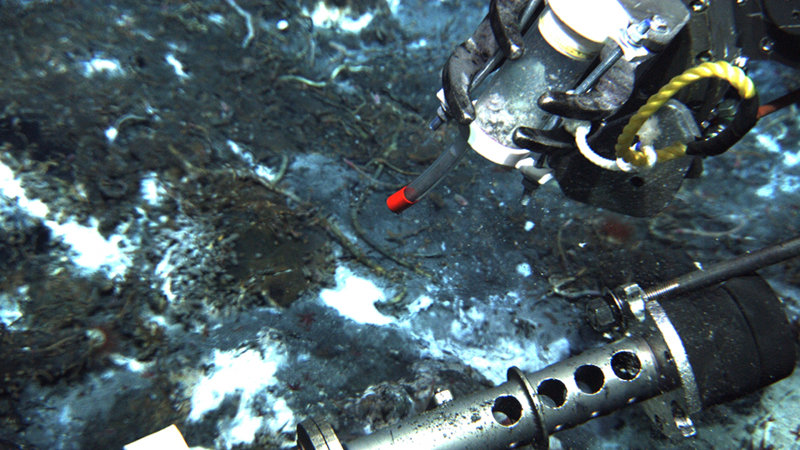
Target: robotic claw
[
  {"x": 661, "y": 361},
  {"x": 616, "y": 100}
]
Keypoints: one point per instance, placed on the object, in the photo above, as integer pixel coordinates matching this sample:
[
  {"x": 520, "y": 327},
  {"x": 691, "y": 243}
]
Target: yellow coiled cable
[{"x": 720, "y": 69}]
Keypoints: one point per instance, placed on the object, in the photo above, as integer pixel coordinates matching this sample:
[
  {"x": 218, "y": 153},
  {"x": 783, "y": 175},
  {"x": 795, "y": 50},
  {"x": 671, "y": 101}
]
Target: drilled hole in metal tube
[
  {"x": 506, "y": 410},
  {"x": 589, "y": 378},
  {"x": 553, "y": 392},
  {"x": 626, "y": 365}
]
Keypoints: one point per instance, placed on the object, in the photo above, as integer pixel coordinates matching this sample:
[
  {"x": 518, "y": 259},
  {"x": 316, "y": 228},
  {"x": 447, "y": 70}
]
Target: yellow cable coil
[{"x": 720, "y": 69}]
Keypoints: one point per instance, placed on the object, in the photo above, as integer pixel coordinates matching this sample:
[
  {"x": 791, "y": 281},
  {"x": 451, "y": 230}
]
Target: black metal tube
[
  {"x": 526, "y": 21},
  {"x": 725, "y": 270},
  {"x": 599, "y": 71}
]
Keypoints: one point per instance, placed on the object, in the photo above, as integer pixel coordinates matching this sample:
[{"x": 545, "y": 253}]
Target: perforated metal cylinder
[
  {"x": 597, "y": 382},
  {"x": 501, "y": 417}
]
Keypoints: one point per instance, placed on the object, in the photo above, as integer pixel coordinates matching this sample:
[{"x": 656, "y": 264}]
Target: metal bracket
[{"x": 670, "y": 411}]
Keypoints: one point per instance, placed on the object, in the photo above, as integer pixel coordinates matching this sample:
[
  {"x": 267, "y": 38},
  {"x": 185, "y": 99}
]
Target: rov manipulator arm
[
  {"x": 682, "y": 354},
  {"x": 571, "y": 93}
]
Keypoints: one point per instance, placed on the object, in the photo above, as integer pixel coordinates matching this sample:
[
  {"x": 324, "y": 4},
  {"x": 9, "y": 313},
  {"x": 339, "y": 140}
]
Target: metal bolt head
[{"x": 601, "y": 314}]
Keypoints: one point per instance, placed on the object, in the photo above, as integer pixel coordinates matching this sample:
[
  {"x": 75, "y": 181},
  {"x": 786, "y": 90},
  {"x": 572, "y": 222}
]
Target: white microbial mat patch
[
  {"x": 474, "y": 335},
  {"x": 89, "y": 248},
  {"x": 354, "y": 297},
  {"x": 249, "y": 374}
]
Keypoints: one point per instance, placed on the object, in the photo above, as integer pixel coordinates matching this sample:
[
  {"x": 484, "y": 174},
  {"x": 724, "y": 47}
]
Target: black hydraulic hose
[{"x": 745, "y": 119}]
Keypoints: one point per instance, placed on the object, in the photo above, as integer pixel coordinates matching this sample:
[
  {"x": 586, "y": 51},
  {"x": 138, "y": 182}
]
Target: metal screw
[
  {"x": 705, "y": 56},
  {"x": 635, "y": 32},
  {"x": 657, "y": 23},
  {"x": 437, "y": 121},
  {"x": 699, "y": 5},
  {"x": 767, "y": 45}
]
